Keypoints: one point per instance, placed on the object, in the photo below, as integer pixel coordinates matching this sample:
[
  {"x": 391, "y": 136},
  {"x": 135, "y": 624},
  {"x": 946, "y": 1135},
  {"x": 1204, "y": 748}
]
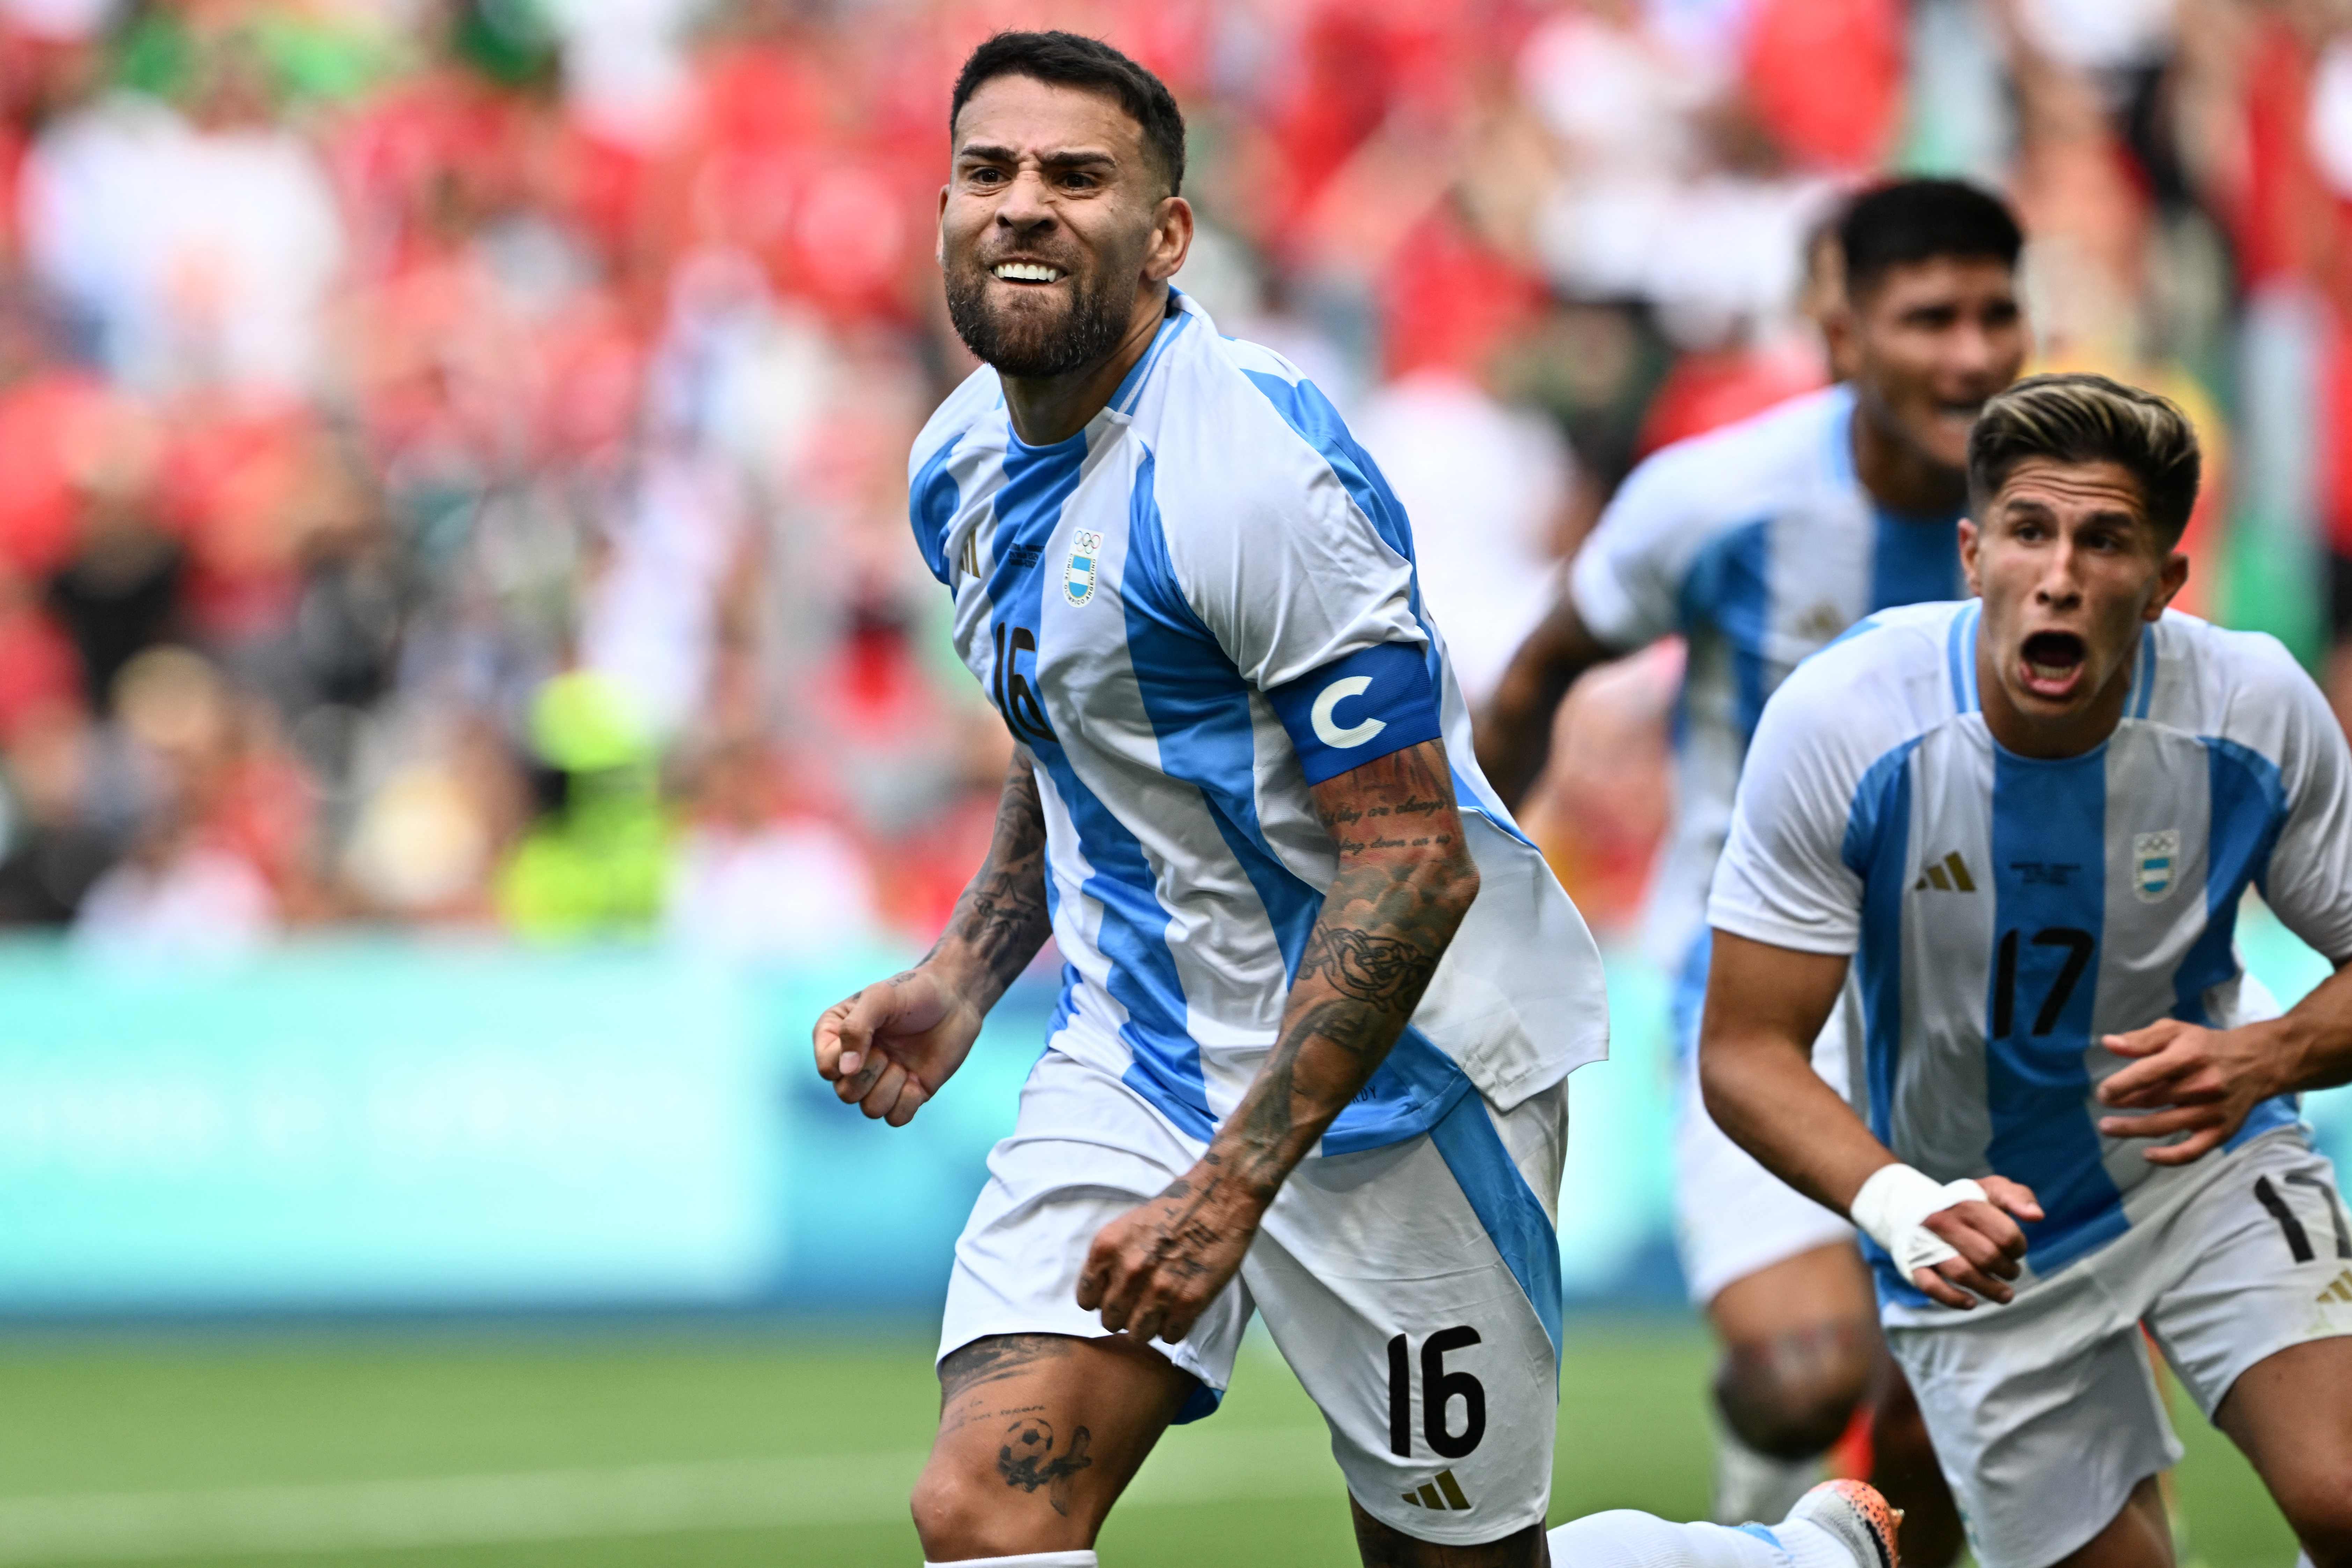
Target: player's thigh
[
  {"x": 1043, "y": 1416},
  {"x": 2045, "y": 1416},
  {"x": 2292, "y": 1415},
  {"x": 1824, "y": 1287},
  {"x": 1039, "y": 1436},
  {"x": 1416, "y": 1291},
  {"x": 1085, "y": 1148},
  {"x": 1733, "y": 1218}
]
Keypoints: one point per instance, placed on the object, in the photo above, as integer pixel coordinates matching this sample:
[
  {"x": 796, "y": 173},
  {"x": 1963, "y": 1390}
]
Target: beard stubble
[{"x": 1034, "y": 345}]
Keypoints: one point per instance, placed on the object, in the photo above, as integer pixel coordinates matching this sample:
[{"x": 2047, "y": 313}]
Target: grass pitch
[{"x": 612, "y": 1448}]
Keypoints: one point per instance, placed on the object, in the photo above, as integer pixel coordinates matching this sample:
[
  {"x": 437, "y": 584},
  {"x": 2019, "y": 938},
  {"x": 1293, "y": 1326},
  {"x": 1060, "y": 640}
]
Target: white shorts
[
  {"x": 2045, "y": 1413},
  {"x": 1732, "y": 1217},
  {"x": 1446, "y": 1241}
]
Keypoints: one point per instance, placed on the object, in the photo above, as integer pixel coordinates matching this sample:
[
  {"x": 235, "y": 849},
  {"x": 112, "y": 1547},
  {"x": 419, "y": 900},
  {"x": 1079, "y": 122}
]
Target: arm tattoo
[
  {"x": 1404, "y": 881},
  {"x": 1001, "y": 920}
]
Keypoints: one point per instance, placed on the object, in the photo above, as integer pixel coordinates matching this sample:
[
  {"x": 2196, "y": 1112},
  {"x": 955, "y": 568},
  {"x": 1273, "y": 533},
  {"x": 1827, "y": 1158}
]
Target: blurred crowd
[{"x": 452, "y": 452}]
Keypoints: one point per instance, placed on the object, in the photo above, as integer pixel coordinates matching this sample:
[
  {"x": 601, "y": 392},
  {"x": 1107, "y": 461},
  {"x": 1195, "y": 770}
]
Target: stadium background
[{"x": 467, "y": 697}]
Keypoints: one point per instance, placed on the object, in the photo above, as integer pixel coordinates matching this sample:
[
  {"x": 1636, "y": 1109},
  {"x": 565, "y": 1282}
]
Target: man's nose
[
  {"x": 1024, "y": 204},
  {"x": 2059, "y": 586},
  {"x": 1974, "y": 351}
]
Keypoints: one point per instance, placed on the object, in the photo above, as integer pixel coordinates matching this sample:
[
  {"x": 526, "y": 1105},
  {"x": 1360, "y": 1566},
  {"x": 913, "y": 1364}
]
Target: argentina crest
[
  {"x": 1078, "y": 576},
  {"x": 2156, "y": 859}
]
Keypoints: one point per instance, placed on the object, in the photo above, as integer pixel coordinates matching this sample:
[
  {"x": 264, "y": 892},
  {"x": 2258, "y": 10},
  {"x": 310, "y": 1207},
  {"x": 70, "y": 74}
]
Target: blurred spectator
[
  {"x": 50, "y": 850},
  {"x": 195, "y": 237},
  {"x": 756, "y": 879},
  {"x": 222, "y": 818},
  {"x": 596, "y": 860}
]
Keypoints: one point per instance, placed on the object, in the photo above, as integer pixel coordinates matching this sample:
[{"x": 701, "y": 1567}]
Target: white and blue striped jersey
[
  {"x": 1759, "y": 545},
  {"x": 2006, "y": 913},
  {"x": 1187, "y": 613}
]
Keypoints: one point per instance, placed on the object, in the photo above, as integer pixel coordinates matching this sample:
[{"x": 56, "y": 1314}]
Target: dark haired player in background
[
  {"x": 1761, "y": 544},
  {"x": 1243, "y": 805}
]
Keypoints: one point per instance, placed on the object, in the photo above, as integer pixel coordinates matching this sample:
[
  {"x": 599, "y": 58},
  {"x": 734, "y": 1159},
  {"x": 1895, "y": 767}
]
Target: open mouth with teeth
[
  {"x": 2051, "y": 665},
  {"x": 1026, "y": 272}
]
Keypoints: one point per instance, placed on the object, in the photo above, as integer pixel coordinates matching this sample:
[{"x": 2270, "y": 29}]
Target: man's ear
[
  {"x": 1970, "y": 539},
  {"x": 1172, "y": 239},
  {"x": 2169, "y": 585},
  {"x": 1842, "y": 335},
  {"x": 940, "y": 232}
]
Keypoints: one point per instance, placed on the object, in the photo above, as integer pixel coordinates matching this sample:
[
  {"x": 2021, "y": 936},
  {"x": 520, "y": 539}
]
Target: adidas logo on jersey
[
  {"x": 2341, "y": 1290},
  {"x": 1443, "y": 1494},
  {"x": 1949, "y": 874}
]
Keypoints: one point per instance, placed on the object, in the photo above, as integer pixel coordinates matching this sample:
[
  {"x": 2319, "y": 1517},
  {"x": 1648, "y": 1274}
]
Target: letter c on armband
[{"x": 1327, "y": 731}]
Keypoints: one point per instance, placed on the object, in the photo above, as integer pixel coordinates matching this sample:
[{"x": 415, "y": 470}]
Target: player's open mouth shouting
[{"x": 2051, "y": 665}]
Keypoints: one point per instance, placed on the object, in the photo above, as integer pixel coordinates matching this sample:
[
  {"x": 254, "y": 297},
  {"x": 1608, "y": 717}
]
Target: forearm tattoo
[
  {"x": 1001, "y": 920},
  {"x": 1404, "y": 882}
]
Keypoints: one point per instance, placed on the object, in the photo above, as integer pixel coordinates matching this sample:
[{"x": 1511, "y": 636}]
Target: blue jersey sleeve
[{"x": 1358, "y": 709}]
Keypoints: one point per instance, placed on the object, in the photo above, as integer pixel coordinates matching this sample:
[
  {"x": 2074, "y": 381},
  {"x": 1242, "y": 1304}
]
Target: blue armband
[{"x": 1376, "y": 701}]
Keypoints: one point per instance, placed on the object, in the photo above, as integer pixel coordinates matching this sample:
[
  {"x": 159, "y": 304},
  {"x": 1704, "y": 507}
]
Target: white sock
[
  {"x": 1031, "y": 1559},
  {"x": 1752, "y": 1484},
  {"x": 1624, "y": 1539}
]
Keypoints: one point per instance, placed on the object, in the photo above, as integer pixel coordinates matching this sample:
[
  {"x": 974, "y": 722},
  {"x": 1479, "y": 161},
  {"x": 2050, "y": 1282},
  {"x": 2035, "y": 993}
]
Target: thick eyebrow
[
  {"x": 1069, "y": 158},
  {"x": 2043, "y": 511}
]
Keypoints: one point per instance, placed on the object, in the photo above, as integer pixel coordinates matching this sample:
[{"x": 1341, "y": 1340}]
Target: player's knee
[
  {"x": 1791, "y": 1396},
  {"x": 958, "y": 1514}
]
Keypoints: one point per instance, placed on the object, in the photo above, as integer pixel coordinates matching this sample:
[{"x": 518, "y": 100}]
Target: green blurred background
[{"x": 596, "y": 1448}]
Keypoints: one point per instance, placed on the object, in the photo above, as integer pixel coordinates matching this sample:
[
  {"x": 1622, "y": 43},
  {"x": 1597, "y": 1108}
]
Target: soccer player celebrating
[
  {"x": 1761, "y": 544},
  {"x": 2026, "y": 825},
  {"x": 1319, "y": 997}
]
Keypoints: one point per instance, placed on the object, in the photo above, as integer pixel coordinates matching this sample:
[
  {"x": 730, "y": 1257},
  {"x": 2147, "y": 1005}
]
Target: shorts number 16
[{"x": 1439, "y": 1389}]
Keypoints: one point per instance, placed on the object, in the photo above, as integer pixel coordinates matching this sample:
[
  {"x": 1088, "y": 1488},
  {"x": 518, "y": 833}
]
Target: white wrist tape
[{"x": 1891, "y": 1209}]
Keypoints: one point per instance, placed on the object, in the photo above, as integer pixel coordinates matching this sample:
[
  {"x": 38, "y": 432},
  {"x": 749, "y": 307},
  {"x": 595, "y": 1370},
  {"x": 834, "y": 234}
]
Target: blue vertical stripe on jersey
[
  {"x": 1198, "y": 707},
  {"x": 931, "y": 507},
  {"x": 1729, "y": 588},
  {"x": 1913, "y": 561},
  {"x": 2248, "y": 808},
  {"x": 2143, "y": 688},
  {"x": 1960, "y": 656},
  {"x": 1133, "y": 936},
  {"x": 2048, "y": 875},
  {"x": 1506, "y": 1205},
  {"x": 1878, "y": 848}
]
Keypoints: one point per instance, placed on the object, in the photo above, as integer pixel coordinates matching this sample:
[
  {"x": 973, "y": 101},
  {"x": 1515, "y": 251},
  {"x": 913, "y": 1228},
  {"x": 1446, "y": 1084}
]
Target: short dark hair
[
  {"x": 1067, "y": 59},
  {"x": 2082, "y": 419},
  {"x": 1921, "y": 220}
]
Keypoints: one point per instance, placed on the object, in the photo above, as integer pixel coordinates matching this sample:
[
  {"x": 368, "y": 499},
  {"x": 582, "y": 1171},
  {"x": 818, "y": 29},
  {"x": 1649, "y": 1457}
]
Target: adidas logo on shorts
[
  {"x": 2341, "y": 1290},
  {"x": 1445, "y": 1493}
]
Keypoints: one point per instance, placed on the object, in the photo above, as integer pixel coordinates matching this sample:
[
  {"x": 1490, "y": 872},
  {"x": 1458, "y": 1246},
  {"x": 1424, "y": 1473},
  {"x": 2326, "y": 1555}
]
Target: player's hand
[
  {"x": 2189, "y": 1080},
  {"x": 1989, "y": 1241},
  {"x": 1154, "y": 1270},
  {"x": 888, "y": 1048}
]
